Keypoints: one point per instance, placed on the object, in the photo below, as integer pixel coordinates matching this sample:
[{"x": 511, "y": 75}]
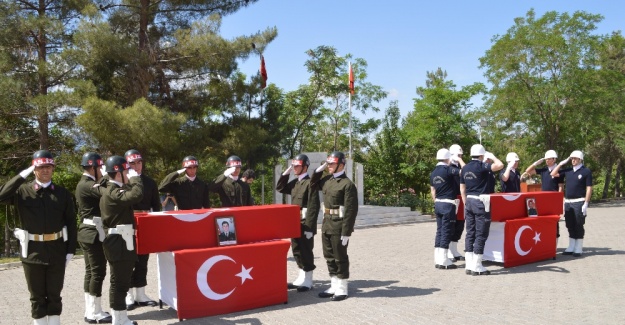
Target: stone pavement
[{"x": 393, "y": 281}]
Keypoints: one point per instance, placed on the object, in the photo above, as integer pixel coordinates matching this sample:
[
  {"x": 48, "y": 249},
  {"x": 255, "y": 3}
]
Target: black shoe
[
  {"x": 481, "y": 273},
  {"x": 303, "y": 289},
  {"x": 448, "y": 267},
  {"x": 468, "y": 272},
  {"x": 438, "y": 266},
  {"x": 131, "y": 307},
  {"x": 567, "y": 253},
  {"x": 150, "y": 303},
  {"x": 90, "y": 321},
  {"x": 577, "y": 254},
  {"x": 291, "y": 286},
  {"x": 458, "y": 258},
  {"x": 324, "y": 294},
  {"x": 339, "y": 298},
  {"x": 103, "y": 320}
]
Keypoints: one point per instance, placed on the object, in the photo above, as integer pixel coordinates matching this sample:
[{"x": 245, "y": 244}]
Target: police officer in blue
[
  {"x": 476, "y": 198},
  {"x": 510, "y": 177},
  {"x": 456, "y": 161},
  {"x": 577, "y": 194},
  {"x": 492, "y": 178},
  {"x": 442, "y": 189}
]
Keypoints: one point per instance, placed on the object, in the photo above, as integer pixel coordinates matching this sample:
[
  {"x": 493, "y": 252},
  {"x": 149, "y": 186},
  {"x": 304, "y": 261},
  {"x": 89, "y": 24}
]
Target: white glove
[
  {"x": 287, "y": 171},
  {"x": 489, "y": 155},
  {"x": 175, "y": 208},
  {"x": 181, "y": 171},
  {"x": 344, "y": 240},
  {"x": 132, "y": 173},
  {"x": 308, "y": 234},
  {"x": 103, "y": 170},
  {"x": 564, "y": 162},
  {"x": 68, "y": 258},
  {"x": 229, "y": 171},
  {"x": 538, "y": 162},
  {"x": 510, "y": 165},
  {"x": 584, "y": 207},
  {"x": 454, "y": 157},
  {"x": 321, "y": 168},
  {"x": 24, "y": 173}
]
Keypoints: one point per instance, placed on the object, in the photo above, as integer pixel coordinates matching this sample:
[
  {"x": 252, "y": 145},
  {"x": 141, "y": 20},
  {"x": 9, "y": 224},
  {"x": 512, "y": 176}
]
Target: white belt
[
  {"x": 485, "y": 198},
  {"x": 88, "y": 222},
  {"x": 455, "y": 202},
  {"x": 127, "y": 233},
  {"x": 97, "y": 225},
  {"x": 303, "y": 213},
  {"x": 581, "y": 199},
  {"x": 340, "y": 211}
]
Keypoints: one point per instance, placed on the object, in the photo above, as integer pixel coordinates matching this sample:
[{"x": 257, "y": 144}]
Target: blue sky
[{"x": 400, "y": 40}]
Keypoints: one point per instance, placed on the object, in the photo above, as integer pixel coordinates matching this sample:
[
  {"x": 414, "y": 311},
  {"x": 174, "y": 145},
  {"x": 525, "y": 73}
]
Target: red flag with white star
[{"x": 529, "y": 240}]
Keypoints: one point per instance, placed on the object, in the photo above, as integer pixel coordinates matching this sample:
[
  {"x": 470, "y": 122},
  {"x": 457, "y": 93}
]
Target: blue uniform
[
  {"x": 475, "y": 176},
  {"x": 459, "y": 224},
  {"x": 548, "y": 183},
  {"x": 575, "y": 189},
  {"x": 443, "y": 181},
  {"x": 513, "y": 184}
]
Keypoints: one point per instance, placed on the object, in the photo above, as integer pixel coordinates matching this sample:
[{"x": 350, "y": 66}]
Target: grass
[{"x": 4, "y": 260}]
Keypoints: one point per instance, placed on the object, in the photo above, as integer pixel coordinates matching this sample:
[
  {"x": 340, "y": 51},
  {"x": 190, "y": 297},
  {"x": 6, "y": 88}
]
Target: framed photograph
[
  {"x": 226, "y": 231},
  {"x": 530, "y": 203}
]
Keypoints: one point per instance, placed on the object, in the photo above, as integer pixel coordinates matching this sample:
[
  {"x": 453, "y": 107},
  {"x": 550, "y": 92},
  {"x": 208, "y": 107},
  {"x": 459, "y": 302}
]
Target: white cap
[
  {"x": 551, "y": 154},
  {"x": 442, "y": 154},
  {"x": 577, "y": 154},
  {"x": 477, "y": 150},
  {"x": 455, "y": 149},
  {"x": 512, "y": 156}
]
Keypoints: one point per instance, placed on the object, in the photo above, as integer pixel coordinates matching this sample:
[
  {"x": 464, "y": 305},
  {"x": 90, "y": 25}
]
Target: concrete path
[{"x": 393, "y": 281}]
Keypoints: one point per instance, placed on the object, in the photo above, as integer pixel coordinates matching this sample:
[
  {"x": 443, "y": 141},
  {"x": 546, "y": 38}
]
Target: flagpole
[{"x": 350, "y": 114}]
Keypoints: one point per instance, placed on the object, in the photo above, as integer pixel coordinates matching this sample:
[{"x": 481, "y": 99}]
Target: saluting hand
[
  {"x": 538, "y": 162},
  {"x": 181, "y": 171},
  {"x": 321, "y": 168},
  {"x": 132, "y": 173},
  {"x": 564, "y": 162},
  {"x": 287, "y": 171},
  {"x": 229, "y": 171},
  {"x": 24, "y": 173}
]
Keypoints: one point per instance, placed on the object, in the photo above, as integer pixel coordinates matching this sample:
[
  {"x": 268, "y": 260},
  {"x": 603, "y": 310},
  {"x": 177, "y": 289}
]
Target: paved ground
[{"x": 393, "y": 281}]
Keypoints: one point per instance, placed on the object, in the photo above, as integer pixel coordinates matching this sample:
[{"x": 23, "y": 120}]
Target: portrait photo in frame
[
  {"x": 530, "y": 204},
  {"x": 226, "y": 231}
]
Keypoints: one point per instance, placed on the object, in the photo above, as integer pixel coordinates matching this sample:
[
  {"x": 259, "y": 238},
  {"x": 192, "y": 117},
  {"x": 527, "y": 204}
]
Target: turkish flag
[
  {"x": 263, "y": 73},
  {"x": 529, "y": 240},
  {"x": 506, "y": 206},
  {"x": 222, "y": 280},
  {"x": 351, "y": 79}
]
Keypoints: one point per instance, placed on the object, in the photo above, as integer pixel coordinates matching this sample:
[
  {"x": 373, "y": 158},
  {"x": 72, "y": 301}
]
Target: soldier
[
  {"x": 91, "y": 235},
  {"x": 475, "y": 195},
  {"x": 456, "y": 161},
  {"x": 190, "y": 192},
  {"x": 510, "y": 177},
  {"x": 123, "y": 190},
  {"x": 577, "y": 194},
  {"x": 339, "y": 215},
  {"x": 233, "y": 192},
  {"x": 248, "y": 176},
  {"x": 308, "y": 200},
  {"x": 492, "y": 179},
  {"x": 442, "y": 189},
  {"x": 150, "y": 202},
  {"x": 48, "y": 238}
]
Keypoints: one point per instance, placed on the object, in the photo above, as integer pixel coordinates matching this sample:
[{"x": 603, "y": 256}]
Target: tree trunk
[
  {"x": 617, "y": 178},
  {"x": 42, "y": 116},
  {"x": 608, "y": 176}
]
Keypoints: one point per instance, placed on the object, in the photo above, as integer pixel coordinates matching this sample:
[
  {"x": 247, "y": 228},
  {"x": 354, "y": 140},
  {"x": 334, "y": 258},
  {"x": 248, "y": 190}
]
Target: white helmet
[
  {"x": 455, "y": 149},
  {"x": 442, "y": 154},
  {"x": 512, "y": 156},
  {"x": 477, "y": 150},
  {"x": 577, "y": 154},
  {"x": 551, "y": 154}
]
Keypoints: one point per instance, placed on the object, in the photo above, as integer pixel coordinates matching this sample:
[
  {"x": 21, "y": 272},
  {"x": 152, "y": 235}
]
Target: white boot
[
  {"x": 579, "y": 243},
  {"x": 330, "y": 291},
  {"x": 478, "y": 269},
  {"x": 100, "y": 316},
  {"x": 437, "y": 257},
  {"x": 468, "y": 261},
  {"x": 130, "y": 299},
  {"x": 54, "y": 320},
  {"x": 341, "y": 290},
  {"x": 453, "y": 253},
  {"x": 87, "y": 306},
  {"x": 569, "y": 250},
  {"x": 446, "y": 263},
  {"x": 41, "y": 321},
  {"x": 308, "y": 282},
  {"x": 120, "y": 317},
  {"x": 300, "y": 278},
  {"x": 142, "y": 299}
]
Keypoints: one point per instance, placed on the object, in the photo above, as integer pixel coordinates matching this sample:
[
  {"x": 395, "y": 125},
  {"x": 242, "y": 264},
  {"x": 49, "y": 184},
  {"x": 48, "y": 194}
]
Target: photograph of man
[
  {"x": 227, "y": 236},
  {"x": 531, "y": 208}
]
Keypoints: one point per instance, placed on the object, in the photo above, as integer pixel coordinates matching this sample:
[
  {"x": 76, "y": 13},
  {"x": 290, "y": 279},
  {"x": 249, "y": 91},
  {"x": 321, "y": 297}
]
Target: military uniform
[
  {"x": 307, "y": 199},
  {"x": 232, "y": 193},
  {"x": 189, "y": 194},
  {"x": 150, "y": 202},
  {"x": 44, "y": 212},
  {"x": 338, "y": 191},
  {"x": 116, "y": 207},
  {"x": 513, "y": 184}
]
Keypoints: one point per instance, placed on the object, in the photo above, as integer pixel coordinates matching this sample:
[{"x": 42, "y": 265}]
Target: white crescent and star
[
  {"x": 202, "y": 273},
  {"x": 517, "y": 240}
]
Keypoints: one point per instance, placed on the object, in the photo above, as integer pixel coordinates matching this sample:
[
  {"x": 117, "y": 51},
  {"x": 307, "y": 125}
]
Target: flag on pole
[
  {"x": 351, "y": 79},
  {"x": 263, "y": 73}
]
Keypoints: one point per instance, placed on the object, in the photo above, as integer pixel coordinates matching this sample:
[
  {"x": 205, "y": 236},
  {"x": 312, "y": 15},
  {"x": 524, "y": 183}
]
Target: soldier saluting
[
  {"x": 47, "y": 237},
  {"x": 339, "y": 215},
  {"x": 233, "y": 192},
  {"x": 123, "y": 190},
  {"x": 189, "y": 191}
]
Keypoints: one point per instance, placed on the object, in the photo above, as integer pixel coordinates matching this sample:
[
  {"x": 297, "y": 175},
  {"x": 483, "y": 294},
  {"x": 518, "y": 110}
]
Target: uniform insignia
[
  {"x": 95, "y": 185},
  {"x": 579, "y": 176}
]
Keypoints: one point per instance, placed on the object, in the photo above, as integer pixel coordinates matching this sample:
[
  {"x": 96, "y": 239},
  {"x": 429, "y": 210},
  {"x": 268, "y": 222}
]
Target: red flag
[
  {"x": 263, "y": 73},
  {"x": 351, "y": 79},
  {"x": 529, "y": 240}
]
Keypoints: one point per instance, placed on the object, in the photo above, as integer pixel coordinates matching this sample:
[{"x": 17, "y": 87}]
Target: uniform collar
[
  {"x": 190, "y": 178},
  {"x": 302, "y": 176},
  {"x": 440, "y": 163},
  {"x": 234, "y": 178},
  {"x": 339, "y": 174},
  {"x": 88, "y": 175},
  {"x": 38, "y": 185},
  {"x": 576, "y": 168},
  {"x": 117, "y": 183}
]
